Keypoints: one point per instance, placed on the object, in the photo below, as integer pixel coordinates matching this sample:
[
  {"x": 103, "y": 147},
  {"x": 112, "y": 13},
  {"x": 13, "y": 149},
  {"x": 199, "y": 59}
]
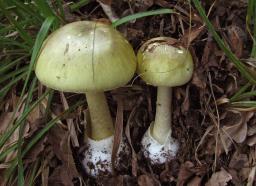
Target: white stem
[
  {"x": 101, "y": 121},
  {"x": 162, "y": 125}
]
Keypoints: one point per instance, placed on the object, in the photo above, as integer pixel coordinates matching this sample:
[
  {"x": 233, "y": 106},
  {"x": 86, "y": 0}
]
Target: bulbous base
[
  {"x": 159, "y": 153},
  {"x": 97, "y": 156}
]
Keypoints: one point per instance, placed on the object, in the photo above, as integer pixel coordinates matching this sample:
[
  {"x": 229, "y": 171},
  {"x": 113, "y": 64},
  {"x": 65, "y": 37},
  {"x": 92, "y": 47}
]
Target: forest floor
[{"x": 213, "y": 115}]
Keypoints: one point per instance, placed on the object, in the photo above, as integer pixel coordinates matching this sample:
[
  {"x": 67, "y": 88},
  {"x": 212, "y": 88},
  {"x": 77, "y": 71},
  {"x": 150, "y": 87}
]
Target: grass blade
[
  {"x": 44, "y": 8},
  {"x": 23, "y": 34},
  {"x": 21, "y": 133},
  {"x": 78, "y": 5},
  {"x": 140, "y": 15},
  {"x": 39, "y": 135},
  {"x": 240, "y": 66},
  {"x": 38, "y": 43},
  {"x": 8, "y": 133}
]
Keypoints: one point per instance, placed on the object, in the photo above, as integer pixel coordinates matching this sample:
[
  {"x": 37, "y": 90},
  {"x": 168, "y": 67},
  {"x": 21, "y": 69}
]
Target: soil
[
  {"x": 207, "y": 154},
  {"x": 217, "y": 139}
]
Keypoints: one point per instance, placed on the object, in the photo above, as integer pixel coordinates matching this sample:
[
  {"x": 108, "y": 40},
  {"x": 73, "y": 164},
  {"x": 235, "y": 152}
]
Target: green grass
[
  {"x": 141, "y": 15},
  {"x": 23, "y": 44},
  {"x": 19, "y": 17},
  {"x": 251, "y": 22},
  {"x": 27, "y": 25},
  {"x": 78, "y": 5}
]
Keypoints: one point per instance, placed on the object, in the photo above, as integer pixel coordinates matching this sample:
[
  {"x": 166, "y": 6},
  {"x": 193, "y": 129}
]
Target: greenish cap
[
  {"x": 162, "y": 64},
  {"x": 85, "y": 56}
]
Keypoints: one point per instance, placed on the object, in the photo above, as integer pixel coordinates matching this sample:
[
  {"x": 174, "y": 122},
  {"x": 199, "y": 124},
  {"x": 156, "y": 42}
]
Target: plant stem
[
  {"x": 162, "y": 125},
  {"x": 101, "y": 122}
]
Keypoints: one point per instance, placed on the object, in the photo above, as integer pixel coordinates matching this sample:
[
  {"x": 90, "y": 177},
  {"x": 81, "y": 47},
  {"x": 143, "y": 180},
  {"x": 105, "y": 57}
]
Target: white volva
[
  {"x": 163, "y": 65},
  {"x": 88, "y": 57}
]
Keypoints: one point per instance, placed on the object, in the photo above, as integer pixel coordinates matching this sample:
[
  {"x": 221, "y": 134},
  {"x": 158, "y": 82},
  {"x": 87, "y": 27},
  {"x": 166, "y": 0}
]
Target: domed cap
[
  {"x": 85, "y": 56},
  {"x": 162, "y": 64}
]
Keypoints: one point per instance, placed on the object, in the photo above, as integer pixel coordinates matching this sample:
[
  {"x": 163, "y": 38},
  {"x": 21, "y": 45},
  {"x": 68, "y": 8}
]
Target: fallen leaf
[
  {"x": 60, "y": 177},
  {"x": 34, "y": 115},
  {"x": 34, "y": 153},
  {"x": 59, "y": 139},
  {"x": 106, "y": 2},
  {"x": 71, "y": 125},
  {"x": 196, "y": 181},
  {"x": 120, "y": 180},
  {"x": 235, "y": 126},
  {"x": 236, "y": 37},
  {"x": 191, "y": 34},
  {"x": 143, "y": 4},
  {"x": 251, "y": 140},
  {"x": 239, "y": 161},
  {"x": 220, "y": 178},
  {"x": 186, "y": 171},
  {"x": 145, "y": 180}
]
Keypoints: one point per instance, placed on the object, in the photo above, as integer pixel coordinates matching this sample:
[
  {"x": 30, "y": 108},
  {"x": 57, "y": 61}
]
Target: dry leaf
[
  {"x": 143, "y": 4},
  {"x": 5, "y": 119},
  {"x": 34, "y": 115},
  {"x": 71, "y": 125},
  {"x": 186, "y": 171},
  {"x": 235, "y": 126},
  {"x": 59, "y": 140},
  {"x": 220, "y": 178},
  {"x": 191, "y": 34},
  {"x": 236, "y": 37},
  {"x": 106, "y": 2},
  {"x": 251, "y": 140},
  {"x": 145, "y": 180},
  {"x": 196, "y": 181},
  {"x": 60, "y": 177}
]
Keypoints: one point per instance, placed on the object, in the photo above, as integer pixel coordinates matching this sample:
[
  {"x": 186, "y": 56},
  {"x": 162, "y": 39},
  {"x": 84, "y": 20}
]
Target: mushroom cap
[
  {"x": 161, "y": 64},
  {"x": 85, "y": 56}
]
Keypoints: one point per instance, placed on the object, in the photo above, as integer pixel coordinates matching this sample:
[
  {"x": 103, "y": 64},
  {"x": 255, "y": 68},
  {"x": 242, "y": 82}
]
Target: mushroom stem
[
  {"x": 101, "y": 122},
  {"x": 162, "y": 125}
]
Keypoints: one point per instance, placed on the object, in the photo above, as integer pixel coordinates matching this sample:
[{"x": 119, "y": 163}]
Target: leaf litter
[{"x": 217, "y": 139}]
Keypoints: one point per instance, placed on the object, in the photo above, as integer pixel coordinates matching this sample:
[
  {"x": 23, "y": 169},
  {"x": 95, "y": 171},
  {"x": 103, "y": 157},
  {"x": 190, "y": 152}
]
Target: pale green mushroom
[
  {"x": 89, "y": 57},
  {"x": 165, "y": 66}
]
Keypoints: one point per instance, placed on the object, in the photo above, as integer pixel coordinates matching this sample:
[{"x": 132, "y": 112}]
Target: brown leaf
[
  {"x": 145, "y": 180},
  {"x": 71, "y": 125},
  {"x": 220, "y": 178},
  {"x": 191, "y": 34},
  {"x": 106, "y": 2},
  {"x": 196, "y": 181},
  {"x": 5, "y": 119},
  {"x": 34, "y": 115},
  {"x": 198, "y": 80},
  {"x": 129, "y": 138},
  {"x": 240, "y": 163},
  {"x": 59, "y": 139},
  {"x": 118, "y": 129},
  {"x": 186, "y": 171},
  {"x": 33, "y": 154},
  {"x": 236, "y": 37},
  {"x": 120, "y": 180},
  {"x": 143, "y": 4},
  {"x": 60, "y": 177},
  {"x": 234, "y": 129},
  {"x": 235, "y": 126},
  {"x": 251, "y": 140}
]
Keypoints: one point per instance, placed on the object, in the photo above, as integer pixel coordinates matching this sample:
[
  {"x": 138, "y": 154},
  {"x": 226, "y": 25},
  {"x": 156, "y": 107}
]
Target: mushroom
[
  {"x": 89, "y": 57},
  {"x": 163, "y": 65}
]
